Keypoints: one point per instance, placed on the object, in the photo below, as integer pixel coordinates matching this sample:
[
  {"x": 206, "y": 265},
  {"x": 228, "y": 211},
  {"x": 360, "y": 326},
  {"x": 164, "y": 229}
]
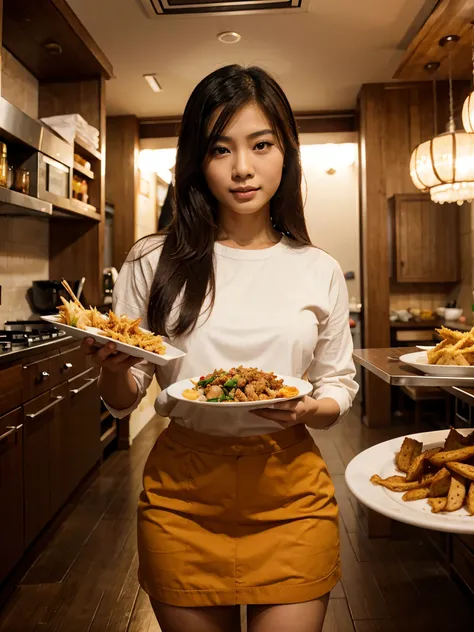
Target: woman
[{"x": 237, "y": 507}]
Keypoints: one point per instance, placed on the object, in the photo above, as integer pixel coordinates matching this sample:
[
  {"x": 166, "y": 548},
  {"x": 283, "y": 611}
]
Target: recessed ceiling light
[
  {"x": 153, "y": 82},
  {"x": 229, "y": 37}
]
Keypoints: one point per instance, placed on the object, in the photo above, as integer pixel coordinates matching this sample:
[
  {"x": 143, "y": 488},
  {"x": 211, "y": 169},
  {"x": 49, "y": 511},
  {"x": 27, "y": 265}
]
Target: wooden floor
[{"x": 86, "y": 578}]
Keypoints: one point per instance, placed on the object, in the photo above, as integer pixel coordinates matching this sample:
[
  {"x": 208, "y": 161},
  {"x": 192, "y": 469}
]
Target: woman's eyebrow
[{"x": 263, "y": 132}]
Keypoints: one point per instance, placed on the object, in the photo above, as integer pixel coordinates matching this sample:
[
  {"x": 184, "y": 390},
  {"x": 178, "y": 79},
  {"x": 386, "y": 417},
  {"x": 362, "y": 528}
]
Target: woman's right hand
[{"x": 107, "y": 358}]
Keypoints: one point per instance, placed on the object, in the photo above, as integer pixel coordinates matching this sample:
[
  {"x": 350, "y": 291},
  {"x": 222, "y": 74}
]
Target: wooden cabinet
[
  {"x": 424, "y": 240},
  {"x": 10, "y": 388},
  {"x": 11, "y": 491},
  {"x": 60, "y": 481},
  {"x": 39, "y": 419},
  {"x": 84, "y": 423},
  {"x": 41, "y": 375}
]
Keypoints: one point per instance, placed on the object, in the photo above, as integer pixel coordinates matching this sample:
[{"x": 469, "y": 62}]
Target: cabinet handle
[
  {"x": 90, "y": 381},
  {"x": 44, "y": 375},
  {"x": 10, "y": 431},
  {"x": 43, "y": 410},
  {"x": 67, "y": 366}
]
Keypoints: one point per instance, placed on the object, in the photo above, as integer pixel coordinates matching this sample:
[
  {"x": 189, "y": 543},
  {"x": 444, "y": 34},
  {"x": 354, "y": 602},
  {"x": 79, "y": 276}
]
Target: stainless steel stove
[{"x": 21, "y": 334}]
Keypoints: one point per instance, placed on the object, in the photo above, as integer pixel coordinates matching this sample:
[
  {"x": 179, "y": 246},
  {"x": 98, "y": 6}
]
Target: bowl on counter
[
  {"x": 452, "y": 313},
  {"x": 440, "y": 311}
]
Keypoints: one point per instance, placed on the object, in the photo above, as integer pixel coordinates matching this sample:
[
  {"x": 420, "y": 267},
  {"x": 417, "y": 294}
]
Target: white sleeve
[
  {"x": 332, "y": 370},
  {"x": 131, "y": 294}
]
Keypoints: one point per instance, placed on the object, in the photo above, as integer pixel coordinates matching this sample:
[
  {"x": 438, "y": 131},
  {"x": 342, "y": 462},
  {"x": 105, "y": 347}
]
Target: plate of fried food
[
  {"x": 452, "y": 357},
  {"x": 425, "y": 479},
  {"x": 126, "y": 333},
  {"x": 239, "y": 387}
]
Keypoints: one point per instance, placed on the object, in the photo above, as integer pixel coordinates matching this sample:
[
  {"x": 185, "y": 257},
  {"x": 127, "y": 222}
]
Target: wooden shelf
[
  {"x": 85, "y": 172},
  {"x": 87, "y": 151},
  {"x": 85, "y": 209},
  {"x": 28, "y": 25},
  {"x": 109, "y": 435}
]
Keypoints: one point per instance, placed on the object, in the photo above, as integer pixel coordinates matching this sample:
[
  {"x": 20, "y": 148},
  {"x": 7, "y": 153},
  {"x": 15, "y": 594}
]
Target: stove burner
[{"x": 22, "y": 334}]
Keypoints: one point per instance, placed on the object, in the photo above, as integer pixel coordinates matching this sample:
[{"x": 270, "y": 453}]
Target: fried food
[
  {"x": 416, "y": 494},
  {"x": 456, "y": 348},
  {"x": 239, "y": 384},
  {"x": 440, "y": 483},
  {"x": 119, "y": 328},
  {"x": 439, "y": 475},
  {"x": 456, "y": 493},
  {"x": 408, "y": 452},
  {"x": 462, "y": 454}
]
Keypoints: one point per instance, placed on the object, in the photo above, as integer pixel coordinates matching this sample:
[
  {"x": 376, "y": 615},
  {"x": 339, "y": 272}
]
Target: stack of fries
[
  {"x": 444, "y": 476},
  {"x": 120, "y": 328},
  {"x": 456, "y": 348}
]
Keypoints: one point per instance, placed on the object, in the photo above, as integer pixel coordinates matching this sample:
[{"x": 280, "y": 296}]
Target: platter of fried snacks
[
  {"x": 453, "y": 356},
  {"x": 239, "y": 387},
  {"x": 425, "y": 479},
  {"x": 124, "y": 332}
]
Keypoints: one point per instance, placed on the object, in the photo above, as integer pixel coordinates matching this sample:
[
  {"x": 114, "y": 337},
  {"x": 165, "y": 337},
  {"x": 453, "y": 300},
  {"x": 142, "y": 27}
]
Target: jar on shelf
[
  {"x": 21, "y": 181},
  {"x": 3, "y": 165}
]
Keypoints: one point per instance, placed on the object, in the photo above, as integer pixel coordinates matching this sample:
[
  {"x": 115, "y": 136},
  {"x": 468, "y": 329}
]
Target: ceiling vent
[{"x": 158, "y": 8}]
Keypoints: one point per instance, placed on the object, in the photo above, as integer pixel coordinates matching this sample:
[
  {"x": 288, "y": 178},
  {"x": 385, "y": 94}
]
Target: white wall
[{"x": 332, "y": 207}]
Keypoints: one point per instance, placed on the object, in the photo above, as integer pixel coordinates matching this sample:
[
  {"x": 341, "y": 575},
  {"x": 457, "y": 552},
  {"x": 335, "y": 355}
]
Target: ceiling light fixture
[
  {"x": 229, "y": 37},
  {"x": 153, "y": 82},
  {"x": 444, "y": 165}
]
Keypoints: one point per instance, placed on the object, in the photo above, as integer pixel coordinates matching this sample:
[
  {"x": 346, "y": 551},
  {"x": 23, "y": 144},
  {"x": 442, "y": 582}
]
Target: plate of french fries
[
  {"x": 124, "y": 332},
  {"x": 452, "y": 357},
  {"x": 424, "y": 479}
]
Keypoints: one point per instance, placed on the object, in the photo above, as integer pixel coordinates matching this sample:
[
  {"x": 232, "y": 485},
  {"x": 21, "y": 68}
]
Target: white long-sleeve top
[{"x": 282, "y": 309}]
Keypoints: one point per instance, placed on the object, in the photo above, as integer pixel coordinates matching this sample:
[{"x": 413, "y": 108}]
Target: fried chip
[
  {"x": 440, "y": 484},
  {"x": 416, "y": 494},
  {"x": 397, "y": 483},
  {"x": 470, "y": 500},
  {"x": 454, "y": 441},
  {"x": 456, "y": 493},
  {"x": 437, "y": 504},
  {"x": 409, "y": 450},
  {"x": 462, "y": 454},
  {"x": 463, "y": 469}
]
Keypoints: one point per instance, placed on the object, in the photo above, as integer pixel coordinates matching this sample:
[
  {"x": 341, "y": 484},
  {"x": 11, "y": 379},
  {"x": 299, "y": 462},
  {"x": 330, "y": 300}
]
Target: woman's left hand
[{"x": 296, "y": 411}]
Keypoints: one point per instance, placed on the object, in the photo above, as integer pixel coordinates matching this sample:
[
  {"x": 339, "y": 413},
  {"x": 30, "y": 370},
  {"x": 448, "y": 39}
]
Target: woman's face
[{"x": 244, "y": 167}]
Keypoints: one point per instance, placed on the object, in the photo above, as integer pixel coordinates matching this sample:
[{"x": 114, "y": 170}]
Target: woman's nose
[{"x": 243, "y": 166}]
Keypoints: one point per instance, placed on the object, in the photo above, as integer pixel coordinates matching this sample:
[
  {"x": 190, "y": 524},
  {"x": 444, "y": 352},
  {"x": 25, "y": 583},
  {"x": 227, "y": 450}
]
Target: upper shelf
[
  {"x": 86, "y": 151},
  {"x": 28, "y": 26}
]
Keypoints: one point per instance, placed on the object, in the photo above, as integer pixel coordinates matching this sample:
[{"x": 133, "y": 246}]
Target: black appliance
[{"x": 45, "y": 296}]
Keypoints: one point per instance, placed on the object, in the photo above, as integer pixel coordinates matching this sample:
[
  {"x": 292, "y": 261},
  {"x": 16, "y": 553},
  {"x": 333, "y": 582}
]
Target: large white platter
[
  {"x": 304, "y": 387},
  {"x": 91, "y": 332},
  {"x": 380, "y": 459},
  {"x": 419, "y": 360}
]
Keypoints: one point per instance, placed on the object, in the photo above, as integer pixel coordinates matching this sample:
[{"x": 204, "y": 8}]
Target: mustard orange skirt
[{"x": 237, "y": 520}]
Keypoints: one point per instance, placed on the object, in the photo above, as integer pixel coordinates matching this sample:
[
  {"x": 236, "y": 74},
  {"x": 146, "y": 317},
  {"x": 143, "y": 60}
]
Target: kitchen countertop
[
  {"x": 10, "y": 357},
  {"x": 431, "y": 324}
]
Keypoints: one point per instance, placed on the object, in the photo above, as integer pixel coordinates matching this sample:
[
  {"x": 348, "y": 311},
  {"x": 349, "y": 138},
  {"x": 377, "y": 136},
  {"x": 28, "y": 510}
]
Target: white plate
[
  {"x": 425, "y": 347},
  {"x": 419, "y": 360},
  {"x": 304, "y": 387},
  {"x": 91, "y": 332},
  {"x": 380, "y": 459}
]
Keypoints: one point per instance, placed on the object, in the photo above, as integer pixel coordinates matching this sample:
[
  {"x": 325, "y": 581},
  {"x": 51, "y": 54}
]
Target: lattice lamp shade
[{"x": 445, "y": 167}]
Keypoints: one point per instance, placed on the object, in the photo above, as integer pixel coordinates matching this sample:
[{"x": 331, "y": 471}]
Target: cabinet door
[
  {"x": 38, "y": 418},
  {"x": 11, "y": 491},
  {"x": 61, "y": 484},
  {"x": 427, "y": 241},
  {"x": 84, "y": 407}
]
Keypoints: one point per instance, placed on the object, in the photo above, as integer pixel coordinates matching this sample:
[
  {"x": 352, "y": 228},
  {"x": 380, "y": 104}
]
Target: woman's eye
[
  {"x": 219, "y": 151},
  {"x": 264, "y": 144}
]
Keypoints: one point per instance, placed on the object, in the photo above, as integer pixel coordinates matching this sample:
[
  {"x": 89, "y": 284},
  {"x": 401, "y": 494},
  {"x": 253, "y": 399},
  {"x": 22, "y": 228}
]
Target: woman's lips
[{"x": 244, "y": 196}]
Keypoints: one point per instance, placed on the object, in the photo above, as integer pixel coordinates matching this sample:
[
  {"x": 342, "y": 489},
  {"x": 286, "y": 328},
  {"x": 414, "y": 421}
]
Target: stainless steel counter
[{"x": 384, "y": 364}]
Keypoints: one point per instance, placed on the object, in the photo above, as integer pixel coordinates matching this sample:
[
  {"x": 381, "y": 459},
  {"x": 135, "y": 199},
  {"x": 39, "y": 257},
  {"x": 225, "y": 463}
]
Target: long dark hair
[{"x": 186, "y": 264}]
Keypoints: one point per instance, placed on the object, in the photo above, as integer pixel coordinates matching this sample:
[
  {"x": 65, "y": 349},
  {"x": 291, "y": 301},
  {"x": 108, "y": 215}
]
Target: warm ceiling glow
[
  {"x": 330, "y": 156},
  {"x": 159, "y": 161}
]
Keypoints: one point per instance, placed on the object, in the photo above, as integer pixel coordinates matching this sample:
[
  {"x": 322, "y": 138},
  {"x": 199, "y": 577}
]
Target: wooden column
[
  {"x": 374, "y": 246},
  {"x": 122, "y": 180}
]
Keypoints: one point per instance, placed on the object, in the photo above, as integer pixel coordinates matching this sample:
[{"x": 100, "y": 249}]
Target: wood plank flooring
[{"x": 85, "y": 580}]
